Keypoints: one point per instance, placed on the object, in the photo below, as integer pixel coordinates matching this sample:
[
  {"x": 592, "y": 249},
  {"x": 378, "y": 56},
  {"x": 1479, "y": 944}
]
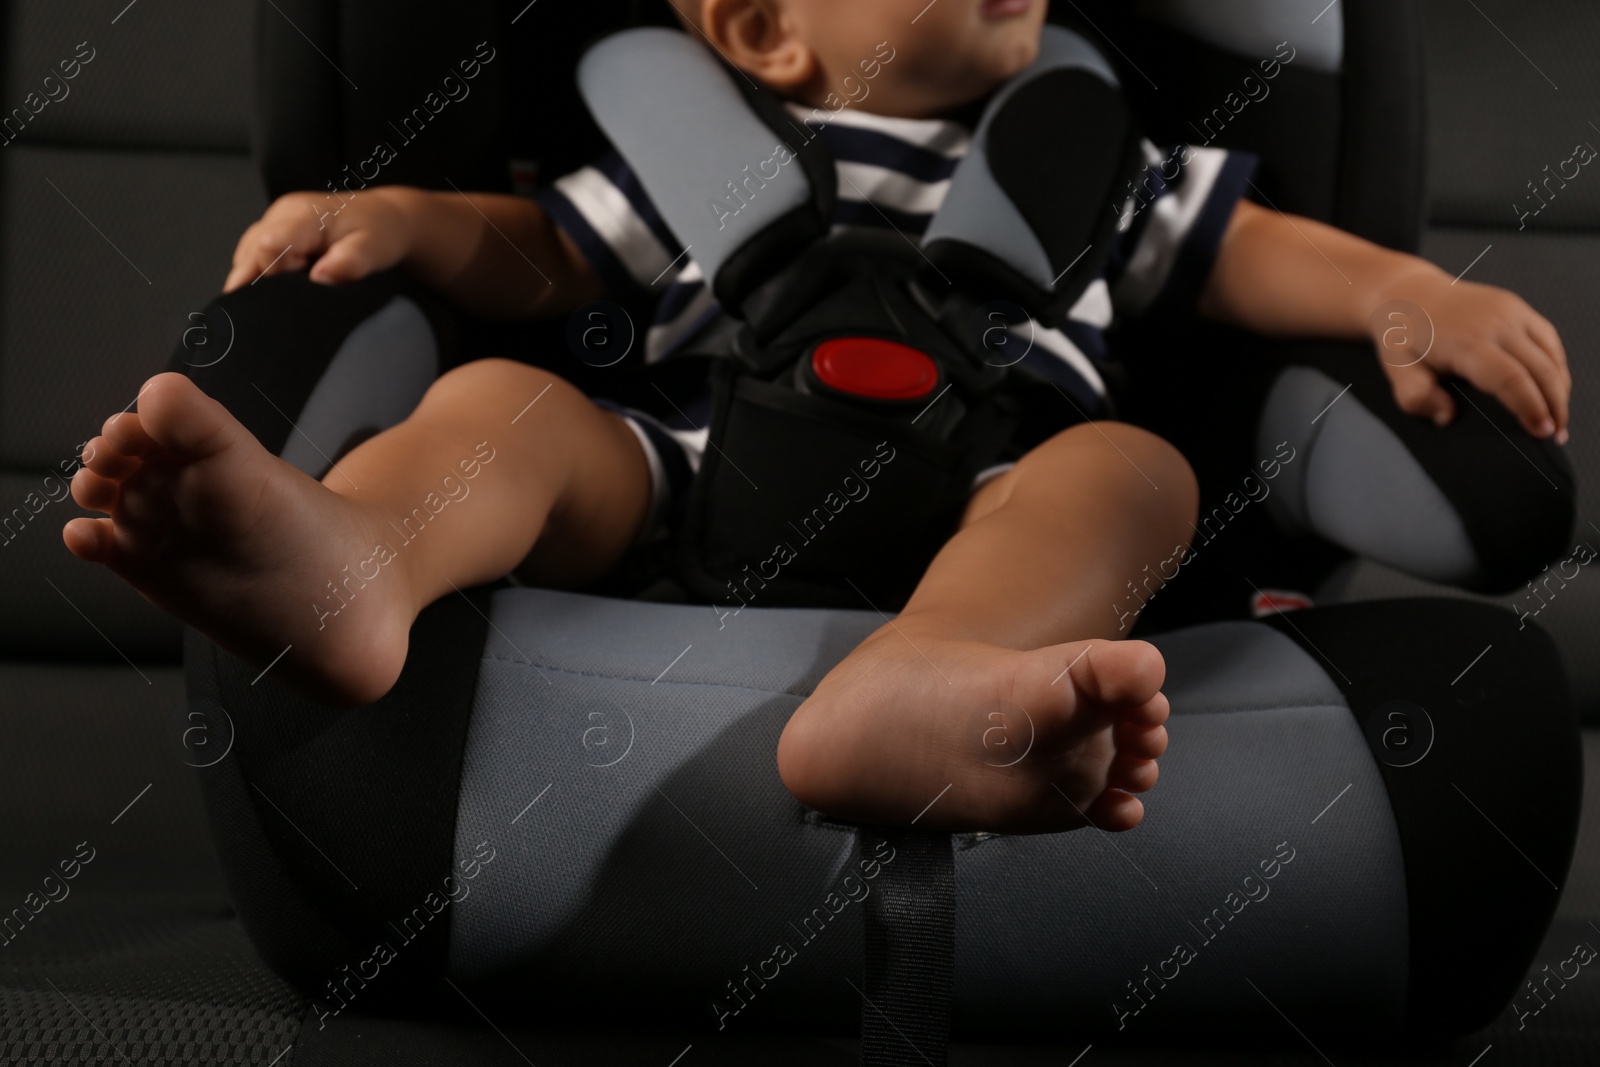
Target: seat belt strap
[{"x": 910, "y": 950}]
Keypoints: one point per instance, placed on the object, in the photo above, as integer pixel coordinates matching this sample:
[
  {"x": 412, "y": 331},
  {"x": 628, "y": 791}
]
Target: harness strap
[{"x": 910, "y": 951}]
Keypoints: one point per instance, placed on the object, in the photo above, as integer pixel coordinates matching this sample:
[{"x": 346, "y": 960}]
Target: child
[{"x": 1009, "y": 622}]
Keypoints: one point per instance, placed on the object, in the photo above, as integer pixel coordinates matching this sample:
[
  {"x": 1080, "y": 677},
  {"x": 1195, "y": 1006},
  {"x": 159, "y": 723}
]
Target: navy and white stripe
[{"x": 895, "y": 172}]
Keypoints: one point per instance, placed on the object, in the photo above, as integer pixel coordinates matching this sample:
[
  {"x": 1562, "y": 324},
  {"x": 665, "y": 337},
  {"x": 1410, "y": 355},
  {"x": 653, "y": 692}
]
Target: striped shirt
[{"x": 895, "y": 172}]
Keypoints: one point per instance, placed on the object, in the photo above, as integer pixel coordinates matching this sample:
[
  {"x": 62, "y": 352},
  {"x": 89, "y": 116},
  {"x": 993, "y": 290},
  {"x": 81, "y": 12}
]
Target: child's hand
[
  {"x": 1490, "y": 337},
  {"x": 348, "y": 238}
]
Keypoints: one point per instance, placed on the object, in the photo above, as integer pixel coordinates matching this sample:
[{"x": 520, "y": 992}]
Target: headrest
[{"x": 1255, "y": 27}]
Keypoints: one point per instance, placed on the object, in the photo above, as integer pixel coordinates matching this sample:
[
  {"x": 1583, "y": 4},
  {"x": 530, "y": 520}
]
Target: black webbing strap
[{"x": 910, "y": 948}]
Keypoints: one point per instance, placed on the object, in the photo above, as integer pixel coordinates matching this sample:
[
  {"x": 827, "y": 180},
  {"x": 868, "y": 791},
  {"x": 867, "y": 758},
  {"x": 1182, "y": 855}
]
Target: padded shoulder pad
[
  {"x": 704, "y": 148},
  {"x": 1032, "y": 209}
]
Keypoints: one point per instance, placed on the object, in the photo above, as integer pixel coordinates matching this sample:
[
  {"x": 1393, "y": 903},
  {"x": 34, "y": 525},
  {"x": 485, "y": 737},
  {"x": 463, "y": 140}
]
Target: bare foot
[
  {"x": 957, "y": 735},
  {"x": 214, "y": 529}
]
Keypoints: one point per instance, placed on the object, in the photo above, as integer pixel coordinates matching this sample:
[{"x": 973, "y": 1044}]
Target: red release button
[{"x": 871, "y": 367}]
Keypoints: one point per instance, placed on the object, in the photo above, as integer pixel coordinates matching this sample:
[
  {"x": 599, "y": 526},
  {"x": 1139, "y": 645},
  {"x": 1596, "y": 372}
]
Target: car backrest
[
  {"x": 125, "y": 181},
  {"x": 410, "y": 75}
]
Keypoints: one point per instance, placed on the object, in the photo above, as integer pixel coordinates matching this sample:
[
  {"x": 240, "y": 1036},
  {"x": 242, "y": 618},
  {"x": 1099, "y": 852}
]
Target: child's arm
[
  {"x": 1289, "y": 276},
  {"x": 489, "y": 253}
]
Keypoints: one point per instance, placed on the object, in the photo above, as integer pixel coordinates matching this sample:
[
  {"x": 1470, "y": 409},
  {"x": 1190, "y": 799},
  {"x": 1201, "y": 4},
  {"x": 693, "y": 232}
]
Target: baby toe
[
  {"x": 94, "y": 491},
  {"x": 1153, "y": 712},
  {"x": 183, "y": 421},
  {"x": 1140, "y": 741},
  {"x": 125, "y": 433},
  {"x": 1133, "y": 775},
  {"x": 91, "y": 540},
  {"x": 1115, "y": 811},
  {"x": 1121, "y": 672},
  {"x": 104, "y": 459}
]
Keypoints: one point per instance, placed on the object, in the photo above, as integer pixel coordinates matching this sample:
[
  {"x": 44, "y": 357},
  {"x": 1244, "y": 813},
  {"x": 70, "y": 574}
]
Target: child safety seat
[
  {"x": 1316, "y": 758},
  {"x": 861, "y": 366}
]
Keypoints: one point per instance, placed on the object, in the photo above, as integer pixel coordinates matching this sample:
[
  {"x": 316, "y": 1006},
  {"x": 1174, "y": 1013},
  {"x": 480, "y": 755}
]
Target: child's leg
[
  {"x": 962, "y": 713},
  {"x": 502, "y": 466}
]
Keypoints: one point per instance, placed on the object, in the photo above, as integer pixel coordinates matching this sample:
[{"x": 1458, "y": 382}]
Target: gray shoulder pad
[
  {"x": 715, "y": 171},
  {"x": 1080, "y": 142}
]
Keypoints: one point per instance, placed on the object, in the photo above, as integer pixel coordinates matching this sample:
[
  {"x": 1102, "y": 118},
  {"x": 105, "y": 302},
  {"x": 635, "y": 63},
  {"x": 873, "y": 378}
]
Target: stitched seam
[
  {"x": 631, "y": 678},
  {"x": 1273, "y": 707},
  {"x": 803, "y": 696}
]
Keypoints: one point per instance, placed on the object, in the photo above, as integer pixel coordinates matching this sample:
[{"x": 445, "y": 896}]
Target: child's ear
[{"x": 761, "y": 39}]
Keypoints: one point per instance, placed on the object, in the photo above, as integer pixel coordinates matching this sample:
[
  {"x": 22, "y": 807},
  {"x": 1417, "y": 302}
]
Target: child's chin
[
  {"x": 989, "y": 71},
  {"x": 1015, "y": 56},
  {"x": 1012, "y": 61}
]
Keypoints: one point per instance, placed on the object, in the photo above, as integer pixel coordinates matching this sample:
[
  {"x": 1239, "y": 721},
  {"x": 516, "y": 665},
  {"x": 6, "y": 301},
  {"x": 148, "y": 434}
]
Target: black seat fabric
[
  {"x": 120, "y": 203},
  {"x": 1514, "y": 89},
  {"x": 323, "y": 110},
  {"x": 1346, "y": 146},
  {"x": 125, "y": 179}
]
